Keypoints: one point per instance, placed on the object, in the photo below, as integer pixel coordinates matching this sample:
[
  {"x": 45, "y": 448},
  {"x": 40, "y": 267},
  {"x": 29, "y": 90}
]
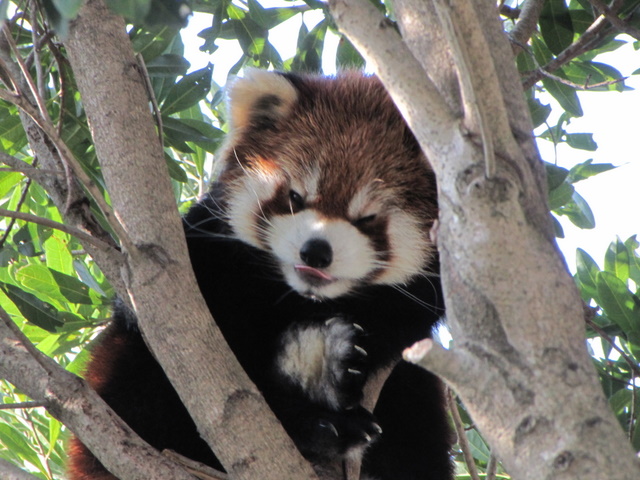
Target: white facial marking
[
  {"x": 409, "y": 251},
  {"x": 352, "y": 254},
  {"x": 245, "y": 204}
]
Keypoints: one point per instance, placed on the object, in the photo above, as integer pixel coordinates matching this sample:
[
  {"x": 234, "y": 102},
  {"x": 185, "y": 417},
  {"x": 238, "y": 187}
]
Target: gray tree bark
[
  {"x": 157, "y": 272},
  {"x": 519, "y": 360}
]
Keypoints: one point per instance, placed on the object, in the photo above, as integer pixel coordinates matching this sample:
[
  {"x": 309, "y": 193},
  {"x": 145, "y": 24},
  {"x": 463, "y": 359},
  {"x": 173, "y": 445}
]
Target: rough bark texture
[
  {"x": 158, "y": 277},
  {"x": 70, "y": 400},
  {"x": 519, "y": 360}
]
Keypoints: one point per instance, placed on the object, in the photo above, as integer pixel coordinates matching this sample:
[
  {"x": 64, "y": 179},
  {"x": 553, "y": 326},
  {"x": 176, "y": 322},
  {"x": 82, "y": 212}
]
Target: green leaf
[
  {"x": 87, "y": 278},
  {"x": 309, "y": 56},
  {"x": 268, "y": 18},
  {"x": 565, "y": 95},
  {"x": 588, "y": 169},
  {"x": 539, "y": 112},
  {"x": 632, "y": 245},
  {"x": 34, "y": 310},
  {"x": 180, "y": 130},
  {"x": 188, "y": 91},
  {"x": 151, "y": 42},
  {"x": 556, "y": 25},
  {"x": 168, "y": 65},
  {"x": 555, "y": 175},
  {"x": 17, "y": 442},
  {"x": 582, "y": 141},
  {"x": 8, "y": 181},
  {"x": 616, "y": 260},
  {"x": 57, "y": 254},
  {"x": 587, "y": 273},
  {"x": 133, "y": 10},
  {"x": 558, "y": 231},
  {"x": 56, "y": 285},
  {"x": 560, "y": 196},
  {"x": 617, "y": 302},
  {"x": 578, "y": 211},
  {"x": 347, "y": 56},
  {"x": 175, "y": 170}
]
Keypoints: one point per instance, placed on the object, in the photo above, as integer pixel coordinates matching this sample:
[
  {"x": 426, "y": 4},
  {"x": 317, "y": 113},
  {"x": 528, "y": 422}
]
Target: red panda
[{"x": 312, "y": 251}]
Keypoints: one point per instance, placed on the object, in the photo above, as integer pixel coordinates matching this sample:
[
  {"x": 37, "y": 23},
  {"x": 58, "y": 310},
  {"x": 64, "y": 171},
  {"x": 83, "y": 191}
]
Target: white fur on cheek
[
  {"x": 409, "y": 246},
  {"x": 245, "y": 202},
  {"x": 353, "y": 256}
]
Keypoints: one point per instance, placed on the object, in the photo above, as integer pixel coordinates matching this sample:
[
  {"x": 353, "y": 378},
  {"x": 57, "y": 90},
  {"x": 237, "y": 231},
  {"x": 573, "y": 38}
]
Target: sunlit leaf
[
  {"x": 33, "y": 309},
  {"x": 632, "y": 245},
  {"x": 618, "y": 302},
  {"x": 588, "y": 169},
  {"x": 616, "y": 260}
]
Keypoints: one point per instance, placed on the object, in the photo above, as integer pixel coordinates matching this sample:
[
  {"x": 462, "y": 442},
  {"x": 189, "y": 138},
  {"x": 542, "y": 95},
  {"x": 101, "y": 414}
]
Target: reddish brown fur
[{"x": 331, "y": 120}]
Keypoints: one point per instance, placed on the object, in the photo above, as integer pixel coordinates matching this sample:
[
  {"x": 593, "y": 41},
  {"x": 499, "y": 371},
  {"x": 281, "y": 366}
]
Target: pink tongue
[{"x": 313, "y": 272}]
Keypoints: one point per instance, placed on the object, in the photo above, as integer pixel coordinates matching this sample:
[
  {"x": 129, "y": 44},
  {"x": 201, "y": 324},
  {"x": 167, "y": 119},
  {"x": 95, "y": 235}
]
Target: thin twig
[
  {"x": 462, "y": 437},
  {"x": 577, "y": 86},
  {"x": 492, "y": 467},
  {"x": 632, "y": 365},
  {"x": 25, "y": 73},
  {"x": 40, "y": 86},
  {"x": 577, "y": 48},
  {"x": 42, "y": 452},
  {"x": 152, "y": 97},
  {"x": 16, "y": 406},
  {"x": 79, "y": 234}
]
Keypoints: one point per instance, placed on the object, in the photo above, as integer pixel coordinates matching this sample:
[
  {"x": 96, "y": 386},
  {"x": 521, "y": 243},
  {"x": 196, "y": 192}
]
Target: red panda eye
[
  {"x": 297, "y": 202},
  {"x": 364, "y": 221}
]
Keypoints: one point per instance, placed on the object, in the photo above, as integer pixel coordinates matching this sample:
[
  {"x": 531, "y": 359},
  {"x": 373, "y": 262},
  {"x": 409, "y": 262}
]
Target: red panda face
[{"x": 324, "y": 175}]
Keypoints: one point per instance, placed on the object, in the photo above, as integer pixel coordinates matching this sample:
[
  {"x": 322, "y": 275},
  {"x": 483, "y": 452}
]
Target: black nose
[{"x": 316, "y": 253}]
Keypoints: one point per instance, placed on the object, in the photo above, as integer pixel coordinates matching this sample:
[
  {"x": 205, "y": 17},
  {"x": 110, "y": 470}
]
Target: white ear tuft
[{"x": 260, "y": 97}]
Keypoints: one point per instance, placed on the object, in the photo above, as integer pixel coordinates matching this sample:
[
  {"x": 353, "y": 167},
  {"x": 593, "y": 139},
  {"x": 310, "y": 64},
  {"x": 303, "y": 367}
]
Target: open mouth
[{"x": 313, "y": 276}]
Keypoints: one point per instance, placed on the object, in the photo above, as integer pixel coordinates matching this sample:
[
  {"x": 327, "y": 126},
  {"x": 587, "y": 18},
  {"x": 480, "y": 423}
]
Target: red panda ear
[{"x": 260, "y": 98}]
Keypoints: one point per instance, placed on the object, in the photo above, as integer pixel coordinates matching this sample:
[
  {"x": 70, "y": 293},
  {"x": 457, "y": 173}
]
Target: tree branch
[
  {"x": 69, "y": 400},
  {"x": 583, "y": 44},
  {"x": 526, "y": 25},
  {"x": 79, "y": 234},
  {"x": 613, "y": 18},
  {"x": 462, "y": 437},
  {"x": 519, "y": 345},
  {"x": 173, "y": 317}
]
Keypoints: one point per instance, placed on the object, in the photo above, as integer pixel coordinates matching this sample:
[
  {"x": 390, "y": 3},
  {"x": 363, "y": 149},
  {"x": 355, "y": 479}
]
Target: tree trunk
[
  {"x": 519, "y": 360},
  {"x": 173, "y": 317}
]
